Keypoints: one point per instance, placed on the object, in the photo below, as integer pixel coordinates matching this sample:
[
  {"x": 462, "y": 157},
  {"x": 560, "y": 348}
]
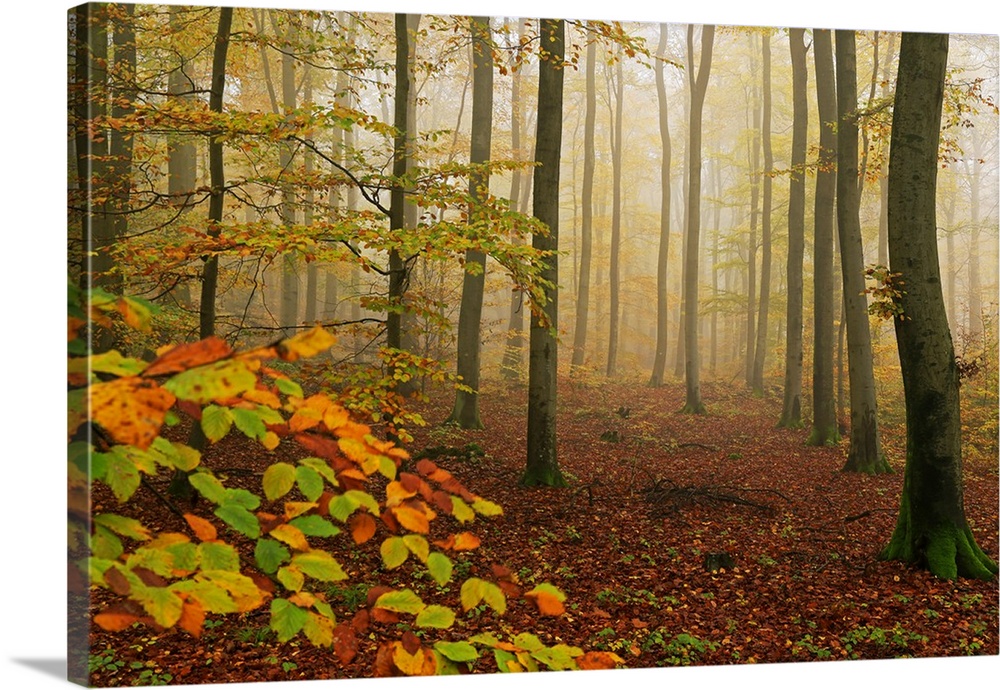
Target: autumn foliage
[{"x": 235, "y": 550}]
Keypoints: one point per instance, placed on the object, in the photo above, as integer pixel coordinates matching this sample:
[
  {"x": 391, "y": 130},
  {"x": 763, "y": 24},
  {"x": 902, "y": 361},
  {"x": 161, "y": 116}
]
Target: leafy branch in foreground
[{"x": 298, "y": 524}]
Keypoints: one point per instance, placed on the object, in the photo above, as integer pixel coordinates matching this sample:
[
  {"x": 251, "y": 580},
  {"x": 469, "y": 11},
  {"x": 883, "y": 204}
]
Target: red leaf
[{"x": 188, "y": 356}]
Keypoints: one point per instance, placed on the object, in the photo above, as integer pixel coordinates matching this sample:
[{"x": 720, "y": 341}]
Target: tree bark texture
[
  {"x": 931, "y": 530},
  {"x": 764, "y": 301},
  {"x": 542, "y": 460},
  {"x": 663, "y": 253},
  {"x": 865, "y": 454}
]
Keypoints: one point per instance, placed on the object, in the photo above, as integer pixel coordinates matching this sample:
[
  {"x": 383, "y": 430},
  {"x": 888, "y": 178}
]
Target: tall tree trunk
[
  {"x": 398, "y": 268},
  {"x": 865, "y": 454},
  {"x": 614, "y": 273},
  {"x": 931, "y": 530},
  {"x": 975, "y": 281},
  {"x": 289, "y": 313},
  {"x": 754, "y": 161},
  {"x": 587, "y": 221},
  {"x": 716, "y": 232},
  {"x": 764, "y": 303},
  {"x": 512, "y": 356},
  {"x": 217, "y": 174},
  {"x": 663, "y": 254},
  {"x": 308, "y": 165},
  {"x": 699, "y": 85},
  {"x": 883, "y": 180},
  {"x": 791, "y": 412},
  {"x": 824, "y": 429},
  {"x": 466, "y": 410},
  {"x": 542, "y": 460}
]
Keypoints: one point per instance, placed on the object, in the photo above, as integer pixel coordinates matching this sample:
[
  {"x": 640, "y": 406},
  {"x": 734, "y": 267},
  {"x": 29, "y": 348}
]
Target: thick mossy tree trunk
[
  {"x": 699, "y": 85},
  {"x": 931, "y": 530},
  {"x": 542, "y": 462},
  {"x": 791, "y": 411},
  {"x": 663, "y": 253},
  {"x": 824, "y": 429},
  {"x": 865, "y": 454},
  {"x": 466, "y": 410}
]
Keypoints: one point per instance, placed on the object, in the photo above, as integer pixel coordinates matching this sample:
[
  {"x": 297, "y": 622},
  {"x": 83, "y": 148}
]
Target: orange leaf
[
  {"x": 189, "y": 355},
  {"x": 130, "y": 409},
  {"x": 466, "y": 541},
  {"x": 115, "y": 621},
  {"x": 396, "y": 493},
  {"x": 192, "y": 618},
  {"x": 202, "y": 528},
  {"x": 413, "y": 519},
  {"x": 292, "y": 536},
  {"x": 598, "y": 660},
  {"x": 362, "y": 527},
  {"x": 426, "y": 467},
  {"x": 417, "y": 485},
  {"x": 262, "y": 396},
  {"x": 548, "y": 604}
]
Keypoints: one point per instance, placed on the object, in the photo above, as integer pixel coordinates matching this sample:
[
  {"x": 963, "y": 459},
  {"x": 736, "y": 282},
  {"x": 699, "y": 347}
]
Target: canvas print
[{"x": 407, "y": 344}]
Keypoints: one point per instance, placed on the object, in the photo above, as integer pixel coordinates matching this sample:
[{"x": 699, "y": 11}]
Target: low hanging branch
[{"x": 667, "y": 496}]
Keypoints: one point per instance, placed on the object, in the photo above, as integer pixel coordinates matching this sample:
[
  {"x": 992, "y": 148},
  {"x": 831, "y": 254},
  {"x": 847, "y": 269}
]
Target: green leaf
[
  {"x": 162, "y": 604},
  {"x": 156, "y": 559},
  {"x": 269, "y": 416},
  {"x": 287, "y": 619},
  {"x": 315, "y": 526},
  {"x": 475, "y": 590},
  {"x": 487, "y": 639},
  {"x": 364, "y": 499},
  {"x": 435, "y": 616},
  {"x": 440, "y": 567},
  {"x": 126, "y": 527},
  {"x": 387, "y": 467},
  {"x": 218, "y": 556},
  {"x": 104, "y": 544},
  {"x": 548, "y": 589},
  {"x": 249, "y": 422},
  {"x": 119, "y": 473},
  {"x": 528, "y": 642},
  {"x": 502, "y": 657},
  {"x": 394, "y": 552},
  {"x": 558, "y": 657},
  {"x": 319, "y": 565},
  {"x": 291, "y": 578},
  {"x": 208, "y": 486},
  {"x": 417, "y": 545},
  {"x": 404, "y": 601},
  {"x": 242, "y": 498},
  {"x": 240, "y": 519},
  {"x": 309, "y": 481},
  {"x": 212, "y": 597},
  {"x": 224, "y": 379},
  {"x": 457, "y": 651},
  {"x": 342, "y": 506},
  {"x": 279, "y": 479},
  {"x": 270, "y": 555},
  {"x": 216, "y": 422},
  {"x": 323, "y": 467},
  {"x": 289, "y": 387},
  {"x": 187, "y": 458},
  {"x": 185, "y": 556},
  {"x": 461, "y": 511}
]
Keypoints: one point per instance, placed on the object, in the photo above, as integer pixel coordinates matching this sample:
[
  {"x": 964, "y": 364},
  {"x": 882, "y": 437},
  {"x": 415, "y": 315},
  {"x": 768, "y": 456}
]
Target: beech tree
[
  {"x": 824, "y": 429},
  {"x": 764, "y": 302},
  {"x": 542, "y": 462},
  {"x": 791, "y": 412},
  {"x": 466, "y": 411},
  {"x": 865, "y": 454},
  {"x": 699, "y": 85},
  {"x": 931, "y": 530},
  {"x": 663, "y": 253}
]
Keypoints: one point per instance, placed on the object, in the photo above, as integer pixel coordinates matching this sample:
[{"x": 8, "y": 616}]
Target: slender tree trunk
[
  {"x": 931, "y": 530},
  {"x": 764, "y": 303},
  {"x": 542, "y": 459},
  {"x": 512, "y": 356},
  {"x": 397, "y": 220},
  {"x": 308, "y": 165},
  {"x": 699, "y": 85},
  {"x": 663, "y": 254},
  {"x": 587, "y": 224},
  {"x": 289, "y": 260},
  {"x": 216, "y": 201},
  {"x": 883, "y": 180},
  {"x": 466, "y": 411},
  {"x": 616, "y": 219},
  {"x": 865, "y": 454},
  {"x": 754, "y": 161},
  {"x": 716, "y": 231},
  {"x": 824, "y": 429},
  {"x": 791, "y": 413}
]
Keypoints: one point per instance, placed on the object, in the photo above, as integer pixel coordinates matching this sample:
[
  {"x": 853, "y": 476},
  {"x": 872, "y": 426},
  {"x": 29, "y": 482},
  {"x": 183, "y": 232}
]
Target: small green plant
[
  {"x": 352, "y": 596},
  {"x": 104, "y": 662},
  {"x": 897, "y": 639},
  {"x": 931, "y": 613},
  {"x": 970, "y": 601},
  {"x": 807, "y": 645},
  {"x": 255, "y": 635},
  {"x": 573, "y": 534},
  {"x": 153, "y": 677},
  {"x": 766, "y": 560},
  {"x": 680, "y": 650},
  {"x": 566, "y": 572}
]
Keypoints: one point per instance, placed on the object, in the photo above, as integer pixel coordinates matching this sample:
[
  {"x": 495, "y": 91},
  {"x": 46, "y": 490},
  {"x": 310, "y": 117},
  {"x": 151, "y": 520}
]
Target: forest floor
[{"x": 652, "y": 493}]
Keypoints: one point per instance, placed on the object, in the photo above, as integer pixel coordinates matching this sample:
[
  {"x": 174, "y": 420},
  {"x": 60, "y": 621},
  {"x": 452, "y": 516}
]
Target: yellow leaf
[
  {"x": 306, "y": 344},
  {"x": 292, "y": 536},
  {"x": 130, "y": 409},
  {"x": 270, "y": 440}
]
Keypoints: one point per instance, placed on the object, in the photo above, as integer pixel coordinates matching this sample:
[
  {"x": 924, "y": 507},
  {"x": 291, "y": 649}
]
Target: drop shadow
[{"x": 50, "y": 667}]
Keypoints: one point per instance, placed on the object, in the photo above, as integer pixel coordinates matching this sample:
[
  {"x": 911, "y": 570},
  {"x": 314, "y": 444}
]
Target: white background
[{"x": 32, "y": 453}]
